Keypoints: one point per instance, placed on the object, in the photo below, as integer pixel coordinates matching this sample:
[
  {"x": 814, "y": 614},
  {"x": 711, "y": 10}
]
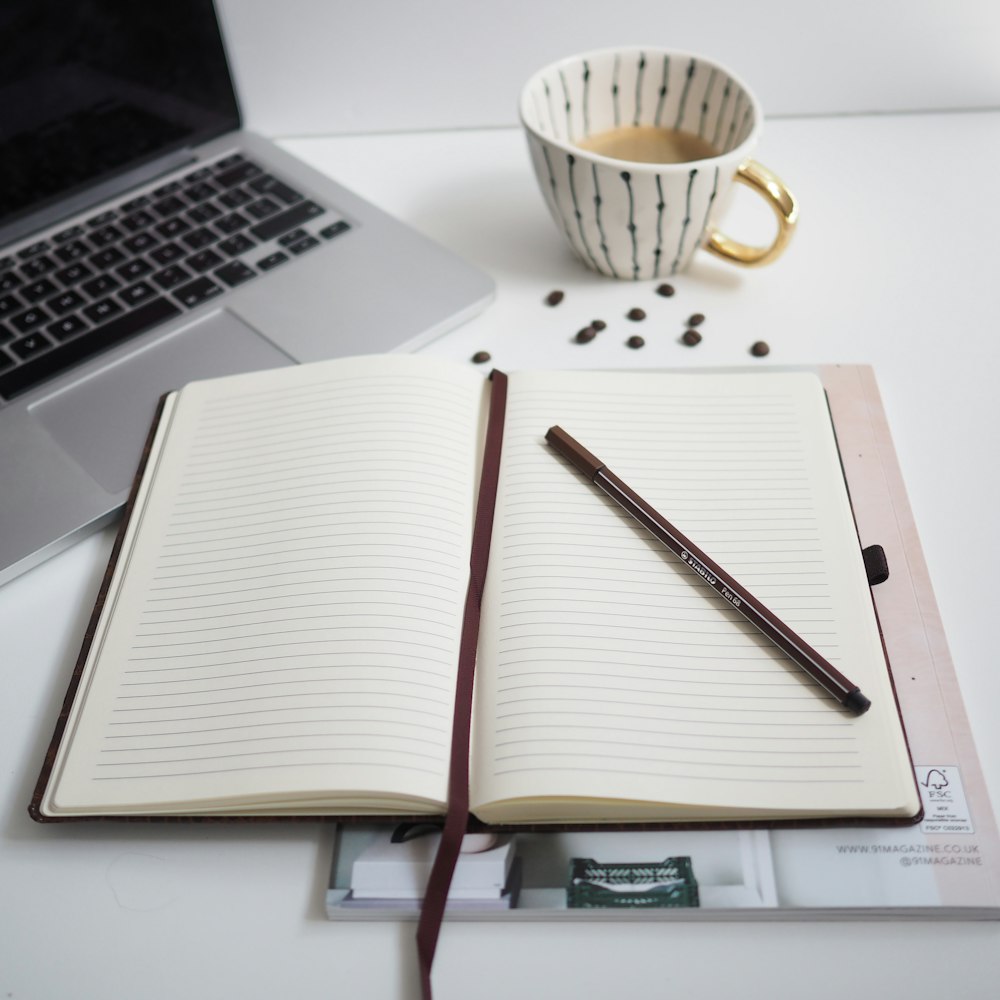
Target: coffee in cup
[{"x": 635, "y": 151}]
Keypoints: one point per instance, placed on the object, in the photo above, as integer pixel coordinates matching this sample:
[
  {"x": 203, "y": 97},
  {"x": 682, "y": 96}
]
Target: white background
[
  {"x": 894, "y": 264},
  {"x": 309, "y": 67}
]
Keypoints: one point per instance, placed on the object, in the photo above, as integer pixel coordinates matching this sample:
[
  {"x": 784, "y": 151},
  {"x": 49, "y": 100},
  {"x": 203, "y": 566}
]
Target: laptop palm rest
[{"x": 102, "y": 421}]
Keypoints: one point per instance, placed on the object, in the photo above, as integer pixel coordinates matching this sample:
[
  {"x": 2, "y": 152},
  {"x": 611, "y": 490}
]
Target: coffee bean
[
  {"x": 554, "y": 298},
  {"x": 481, "y": 357},
  {"x": 665, "y": 290},
  {"x": 759, "y": 349},
  {"x": 635, "y": 342},
  {"x": 598, "y": 324},
  {"x": 691, "y": 337},
  {"x": 636, "y": 314},
  {"x": 696, "y": 319},
  {"x": 585, "y": 335}
]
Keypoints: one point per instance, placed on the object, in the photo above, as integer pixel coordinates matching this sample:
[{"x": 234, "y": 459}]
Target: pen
[{"x": 797, "y": 649}]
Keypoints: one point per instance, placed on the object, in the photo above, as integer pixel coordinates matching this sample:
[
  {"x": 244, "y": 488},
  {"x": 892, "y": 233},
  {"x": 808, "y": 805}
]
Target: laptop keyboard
[{"x": 88, "y": 287}]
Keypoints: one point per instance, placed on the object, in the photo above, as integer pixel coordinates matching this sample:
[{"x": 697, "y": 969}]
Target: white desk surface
[{"x": 894, "y": 264}]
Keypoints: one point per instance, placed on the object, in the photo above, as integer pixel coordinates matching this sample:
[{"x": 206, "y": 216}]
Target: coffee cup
[{"x": 635, "y": 151}]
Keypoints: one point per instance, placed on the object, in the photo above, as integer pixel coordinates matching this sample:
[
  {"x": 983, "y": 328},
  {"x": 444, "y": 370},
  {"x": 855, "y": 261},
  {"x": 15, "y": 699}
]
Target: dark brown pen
[{"x": 797, "y": 649}]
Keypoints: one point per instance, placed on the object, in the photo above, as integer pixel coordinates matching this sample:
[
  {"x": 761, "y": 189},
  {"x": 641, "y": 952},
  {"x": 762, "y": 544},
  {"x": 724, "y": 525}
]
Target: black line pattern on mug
[
  {"x": 745, "y": 123},
  {"x": 711, "y": 199},
  {"x": 638, "y": 89},
  {"x": 571, "y": 161},
  {"x": 538, "y": 112},
  {"x": 732, "y": 125},
  {"x": 705, "y": 102},
  {"x": 661, "y": 205},
  {"x": 586, "y": 98},
  {"x": 687, "y": 221},
  {"x": 553, "y": 124},
  {"x": 614, "y": 91},
  {"x": 726, "y": 93},
  {"x": 684, "y": 94},
  {"x": 627, "y": 178},
  {"x": 663, "y": 91},
  {"x": 600, "y": 224},
  {"x": 555, "y": 194},
  {"x": 567, "y": 106}
]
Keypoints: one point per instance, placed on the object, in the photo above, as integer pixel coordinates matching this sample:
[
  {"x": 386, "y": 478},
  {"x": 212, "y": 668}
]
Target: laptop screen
[{"x": 89, "y": 88}]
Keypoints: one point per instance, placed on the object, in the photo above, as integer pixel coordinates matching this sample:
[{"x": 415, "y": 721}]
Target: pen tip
[{"x": 856, "y": 702}]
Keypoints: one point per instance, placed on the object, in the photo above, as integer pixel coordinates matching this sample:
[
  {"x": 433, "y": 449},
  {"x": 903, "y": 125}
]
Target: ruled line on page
[{"x": 304, "y": 596}]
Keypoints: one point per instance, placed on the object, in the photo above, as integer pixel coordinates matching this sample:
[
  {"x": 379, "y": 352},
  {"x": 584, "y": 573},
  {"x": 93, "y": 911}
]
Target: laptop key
[
  {"x": 105, "y": 236},
  {"x": 262, "y": 208},
  {"x": 237, "y": 175},
  {"x": 138, "y": 220},
  {"x": 107, "y": 258},
  {"x": 136, "y": 203},
  {"x": 204, "y": 260},
  {"x": 28, "y": 347},
  {"x": 272, "y": 260},
  {"x": 5, "y": 360},
  {"x": 102, "y": 219},
  {"x": 173, "y": 227},
  {"x": 328, "y": 232},
  {"x": 170, "y": 205},
  {"x": 73, "y": 274},
  {"x": 171, "y": 187},
  {"x": 235, "y": 273},
  {"x": 102, "y": 310},
  {"x": 293, "y": 237},
  {"x": 38, "y": 266},
  {"x": 167, "y": 253},
  {"x": 199, "y": 238},
  {"x": 277, "y": 189},
  {"x": 38, "y": 290},
  {"x": 65, "y": 303},
  {"x": 232, "y": 223},
  {"x": 199, "y": 192},
  {"x": 228, "y": 161},
  {"x": 10, "y": 304},
  {"x": 197, "y": 291},
  {"x": 33, "y": 250},
  {"x": 30, "y": 319},
  {"x": 63, "y": 356},
  {"x": 288, "y": 219},
  {"x": 72, "y": 250},
  {"x": 139, "y": 292},
  {"x": 204, "y": 212},
  {"x": 68, "y": 326},
  {"x": 301, "y": 246},
  {"x": 198, "y": 175},
  {"x": 171, "y": 277},
  {"x": 5, "y": 334},
  {"x": 236, "y": 245},
  {"x": 140, "y": 243},
  {"x": 9, "y": 280},
  {"x": 74, "y": 232},
  {"x": 134, "y": 269},
  {"x": 235, "y": 197},
  {"x": 101, "y": 285}
]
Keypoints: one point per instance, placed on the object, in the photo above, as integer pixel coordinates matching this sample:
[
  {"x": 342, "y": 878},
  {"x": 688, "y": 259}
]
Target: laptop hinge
[{"x": 113, "y": 187}]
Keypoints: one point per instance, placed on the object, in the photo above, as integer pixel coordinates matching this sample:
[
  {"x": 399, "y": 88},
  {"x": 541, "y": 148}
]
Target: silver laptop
[{"x": 147, "y": 240}]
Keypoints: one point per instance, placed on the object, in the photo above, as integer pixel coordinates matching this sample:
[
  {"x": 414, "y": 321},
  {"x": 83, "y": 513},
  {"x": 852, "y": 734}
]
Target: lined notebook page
[
  {"x": 290, "y": 618},
  {"x": 608, "y": 670}
]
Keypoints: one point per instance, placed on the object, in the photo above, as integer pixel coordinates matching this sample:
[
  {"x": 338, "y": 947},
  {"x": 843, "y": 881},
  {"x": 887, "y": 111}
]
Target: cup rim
[{"x": 740, "y": 152}]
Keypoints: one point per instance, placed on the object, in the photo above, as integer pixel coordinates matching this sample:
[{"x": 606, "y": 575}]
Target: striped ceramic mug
[{"x": 635, "y": 150}]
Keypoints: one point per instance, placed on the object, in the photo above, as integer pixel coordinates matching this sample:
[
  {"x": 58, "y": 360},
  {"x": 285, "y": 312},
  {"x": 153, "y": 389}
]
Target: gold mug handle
[{"x": 786, "y": 208}]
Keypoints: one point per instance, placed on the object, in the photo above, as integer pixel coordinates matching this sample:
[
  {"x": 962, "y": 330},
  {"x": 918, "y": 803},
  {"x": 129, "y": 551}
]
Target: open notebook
[{"x": 282, "y": 620}]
